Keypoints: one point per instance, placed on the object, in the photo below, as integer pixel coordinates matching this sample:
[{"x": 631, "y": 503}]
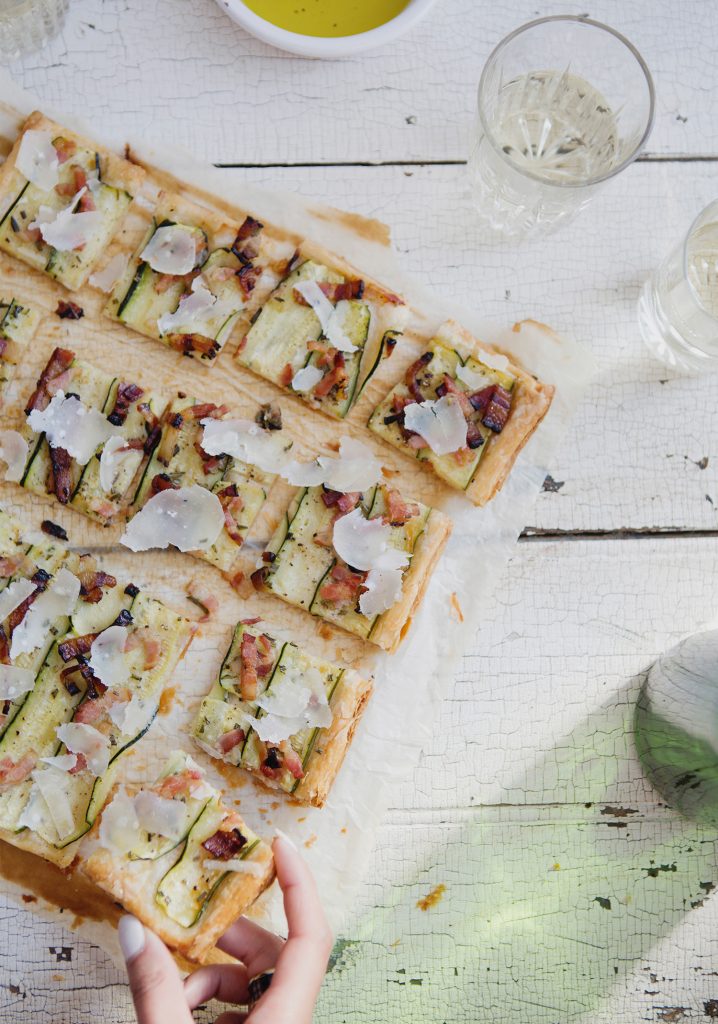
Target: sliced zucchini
[
  {"x": 18, "y": 324},
  {"x": 230, "y": 303},
  {"x": 186, "y": 890},
  {"x": 151, "y": 845},
  {"x": 299, "y": 563},
  {"x": 457, "y": 469}
]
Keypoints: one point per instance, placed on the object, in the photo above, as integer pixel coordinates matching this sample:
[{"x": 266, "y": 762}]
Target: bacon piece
[
  {"x": 286, "y": 376},
  {"x": 60, "y": 482},
  {"x": 258, "y": 578},
  {"x": 93, "y": 709},
  {"x": 65, "y": 148},
  {"x": 413, "y": 376},
  {"x": 53, "y": 530},
  {"x": 474, "y": 438},
  {"x": 76, "y": 645},
  {"x": 152, "y": 645},
  {"x": 256, "y": 658},
  {"x": 416, "y": 441},
  {"x": 206, "y": 410},
  {"x": 126, "y": 395},
  {"x": 249, "y": 228},
  {"x": 189, "y": 343},
  {"x": 201, "y": 595},
  {"x": 180, "y": 784},
  {"x": 335, "y": 291},
  {"x": 291, "y": 759},
  {"x": 41, "y": 578},
  {"x": 4, "y": 648},
  {"x": 230, "y": 740},
  {"x": 57, "y": 366},
  {"x": 248, "y": 277},
  {"x": 343, "y": 586},
  {"x": 398, "y": 511},
  {"x": 210, "y": 463},
  {"x": 79, "y": 766},
  {"x": 12, "y": 772},
  {"x": 92, "y": 582},
  {"x": 152, "y": 427},
  {"x": 326, "y": 352},
  {"x": 271, "y": 766},
  {"x": 497, "y": 411},
  {"x": 232, "y": 504},
  {"x": 449, "y": 387},
  {"x": 224, "y": 845},
  {"x": 69, "y": 310},
  {"x": 162, "y": 482},
  {"x": 336, "y": 378},
  {"x": 344, "y": 502}
]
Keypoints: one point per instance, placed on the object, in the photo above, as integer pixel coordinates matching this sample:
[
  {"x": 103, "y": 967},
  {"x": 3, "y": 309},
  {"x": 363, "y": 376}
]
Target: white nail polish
[
  {"x": 132, "y": 937},
  {"x": 285, "y": 837}
]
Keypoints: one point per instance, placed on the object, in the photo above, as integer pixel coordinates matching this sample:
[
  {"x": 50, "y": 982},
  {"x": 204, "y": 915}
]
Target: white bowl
[{"x": 322, "y": 46}]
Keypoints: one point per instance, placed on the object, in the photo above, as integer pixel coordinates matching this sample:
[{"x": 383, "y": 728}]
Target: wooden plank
[
  {"x": 636, "y": 455},
  {"x": 182, "y": 73}
]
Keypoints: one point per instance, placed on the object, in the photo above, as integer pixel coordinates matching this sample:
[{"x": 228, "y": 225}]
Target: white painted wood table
[{"x": 529, "y": 804}]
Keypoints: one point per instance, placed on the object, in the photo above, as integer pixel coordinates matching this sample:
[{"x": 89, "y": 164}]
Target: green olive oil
[{"x": 327, "y": 17}]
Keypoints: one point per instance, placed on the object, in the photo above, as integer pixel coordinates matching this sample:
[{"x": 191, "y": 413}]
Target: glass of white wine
[
  {"x": 26, "y": 25},
  {"x": 565, "y": 103},
  {"x": 678, "y": 307}
]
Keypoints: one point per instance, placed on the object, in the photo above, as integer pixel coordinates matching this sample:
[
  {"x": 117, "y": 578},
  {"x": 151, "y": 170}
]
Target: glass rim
[
  {"x": 695, "y": 225},
  {"x": 575, "y": 18}
]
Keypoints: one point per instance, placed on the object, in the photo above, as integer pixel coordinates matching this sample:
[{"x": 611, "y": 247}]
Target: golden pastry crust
[
  {"x": 31, "y": 843},
  {"x": 134, "y": 883},
  {"x": 532, "y": 400},
  {"x": 394, "y": 624}
]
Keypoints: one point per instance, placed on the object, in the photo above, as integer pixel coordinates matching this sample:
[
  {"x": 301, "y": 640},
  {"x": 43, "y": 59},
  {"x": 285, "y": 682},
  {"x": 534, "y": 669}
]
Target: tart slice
[
  {"x": 223, "y": 492},
  {"x": 62, "y": 200},
  {"x": 361, "y": 561},
  {"x": 18, "y": 323},
  {"x": 84, "y": 667},
  {"x": 179, "y": 859},
  {"x": 88, "y": 433},
  {"x": 281, "y": 714},
  {"x": 464, "y": 410},
  {"x": 323, "y": 332},
  {"x": 194, "y": 277}
]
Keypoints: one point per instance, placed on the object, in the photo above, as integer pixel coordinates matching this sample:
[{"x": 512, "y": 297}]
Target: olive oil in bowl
[{"x": 327, "y": 18}]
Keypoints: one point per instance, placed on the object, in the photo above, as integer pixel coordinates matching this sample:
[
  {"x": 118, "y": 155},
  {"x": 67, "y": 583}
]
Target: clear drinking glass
[
  {"x": 26, "y": 25},
  {"x": 678, "y": 307},
  {"x": 565, "y": 103}
]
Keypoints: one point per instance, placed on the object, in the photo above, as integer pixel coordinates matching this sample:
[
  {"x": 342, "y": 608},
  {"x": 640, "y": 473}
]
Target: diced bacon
[
  {"x": 474, "y": 438},
  {"x": 258, "y": 578},
  {"x": 65, "y": 148},
  {"x": 65, "y": 188},
  {"x": 69, "y": 310},
  {"x": 248, "y": 277},
  {"x": 152, "y": 645},
  {"x": 416, "y": 441},
  {"x": 230, "y": 740},
  {"x": 335, "y": 291},
  {"x": 103, "y": 507},
  {"x": 92, "y": 583},
  {"x": 30, "y": 235},
  {"x": 76, "y": 645},
  {"x": 180, "y": 784},
  {"x": 343, "y": 586},
  {"x": 286, "y": 376},
  {"x": 415, "y": 376},
  {"x": 232, "y": 504},
  {"x": 271, "y": 764},
  {"x": 398, "y": 511},
  {"x": 12, "y": 772},
  {"x": 480, "y": 399},
  {"x": 41, "y": 578},
  {"x": 4, "y": 648},
  {"x": 206, "y": 410},
  {"x": 60, "y": 482},
  {"x": 326, "y": 352},
  {"x": 449, "y": 387},
  {"x": 210, "y": 463},
  {"x": 9, "y": 566},
  {"x": 55, "y": 370},
  {"x": 249, "y": 228},
  {"x": 248, "y": 661},
  {"x": 93, "y": 709},
  {"x": 291, "y": 759},
  {"x": 336, "y": 378},
  {"x": 152, "y": 426},
  {"x": 497, "y": 411},
  {"x": 127, "y": 394},
  {"x": 224, "y": 845},
  {"x": 80, "y": 764},
  {"x": 162, "y": 482},
  {"x": 189, "y": 343},
  {"x": 324, "y": 538}
]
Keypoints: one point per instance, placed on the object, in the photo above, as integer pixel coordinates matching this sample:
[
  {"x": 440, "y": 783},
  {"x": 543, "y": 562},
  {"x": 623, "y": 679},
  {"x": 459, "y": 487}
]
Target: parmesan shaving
[
  {"x": 133, "y": 716},
  {"x": 192, "y": 313},
  {"x": 15, "y": 681},
  {"x": 105, "y": 279},
  {"x": 161, "y": 816},
  {"x": 382, "y": 589},
  {"x": 51, "y": 786},
  {"x": 13, "y": 451},
  {"x": 37, "y": 159},
  {"x": 332, "y": 318},
  {"x": 171, "y": 250},
  {"x": 63, "y": 762},
  {"x": 120, "y": 827},
  {"x": 474, "y": 379},
  {"x": 306, "y": 378},
  {"x": 13, "y": 596},
  {"x": 114, "y": 454},
  {"x": 107, "y": 656},
  {"x": 80, "y": 738},
  {"x": 355, "y": 469},
  {"x": 190, "y": 518},
  {"x": 65, "y": 230},
  {"x": 365, "y": 543},
  {"x": 68, "y": 423},
  {"x": 246, "y": 440},
  {"x": 58, "y": 600},
  {"x": 442, "y": 424},
  {"x": 495, "y": 360},
  {"x": 295, "y": 702}
]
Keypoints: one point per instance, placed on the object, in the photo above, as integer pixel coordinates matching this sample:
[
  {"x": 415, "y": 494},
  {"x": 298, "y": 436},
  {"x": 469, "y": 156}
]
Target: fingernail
[
  {"x": 285, "y": 838},
  {"x": 132, "y": 937}
]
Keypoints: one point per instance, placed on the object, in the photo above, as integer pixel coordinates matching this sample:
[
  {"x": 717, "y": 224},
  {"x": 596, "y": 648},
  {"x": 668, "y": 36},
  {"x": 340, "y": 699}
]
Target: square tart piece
[
  {"x": 502, "y": 405},
  {"x": 190, "y": 883},
  {"x": 18, "y": 323},
  {"x": 281, "y": 714},
  {"x": 302, "y": 567},
  {"x": 180, "y": 461},
  {"x": 194, "y": 277},
  {"x": 78, "y": 198},
  {"x": 47, "y": 807},
  {"x": 323, "y": 331},
  {"x": 121, "y": 416}
]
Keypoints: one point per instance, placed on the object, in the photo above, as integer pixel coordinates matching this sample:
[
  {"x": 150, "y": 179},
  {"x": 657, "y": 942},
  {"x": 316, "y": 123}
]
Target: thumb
[{"x": 156, "y": 987}]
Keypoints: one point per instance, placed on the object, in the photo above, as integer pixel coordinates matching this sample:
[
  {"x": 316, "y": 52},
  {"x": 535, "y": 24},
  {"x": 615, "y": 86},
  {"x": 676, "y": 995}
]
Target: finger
[
  {"x": 156, "y": 986},
  {"x": 303, "y": 960},
  {"x": 226, "y": 982},
  {"x": 253, "y": 945}
]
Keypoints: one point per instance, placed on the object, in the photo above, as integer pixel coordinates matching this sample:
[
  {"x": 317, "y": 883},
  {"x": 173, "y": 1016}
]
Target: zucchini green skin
[
  {"x": 186, "y": 890},
  {"x": 18, "y": 324},
  {"x": 457, "y": 474}
]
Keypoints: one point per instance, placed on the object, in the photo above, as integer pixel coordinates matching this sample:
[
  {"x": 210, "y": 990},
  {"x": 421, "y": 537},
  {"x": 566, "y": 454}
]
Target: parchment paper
[{"x": 409, "y": 685}]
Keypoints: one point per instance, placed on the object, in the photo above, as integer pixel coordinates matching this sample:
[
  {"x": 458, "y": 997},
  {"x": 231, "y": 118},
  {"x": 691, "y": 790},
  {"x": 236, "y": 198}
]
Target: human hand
[{"x": 299, "y": 963}]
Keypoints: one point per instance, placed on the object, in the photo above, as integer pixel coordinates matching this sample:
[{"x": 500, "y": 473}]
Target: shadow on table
[{"x": 546, "y": 907}]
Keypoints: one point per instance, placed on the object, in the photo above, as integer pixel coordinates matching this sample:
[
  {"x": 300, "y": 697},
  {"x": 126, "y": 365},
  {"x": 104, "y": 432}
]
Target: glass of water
[
  {"x": 26, "y": 25},
  {"x": 565, "y": 103},
  {"x": 678, "y": 307}
]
